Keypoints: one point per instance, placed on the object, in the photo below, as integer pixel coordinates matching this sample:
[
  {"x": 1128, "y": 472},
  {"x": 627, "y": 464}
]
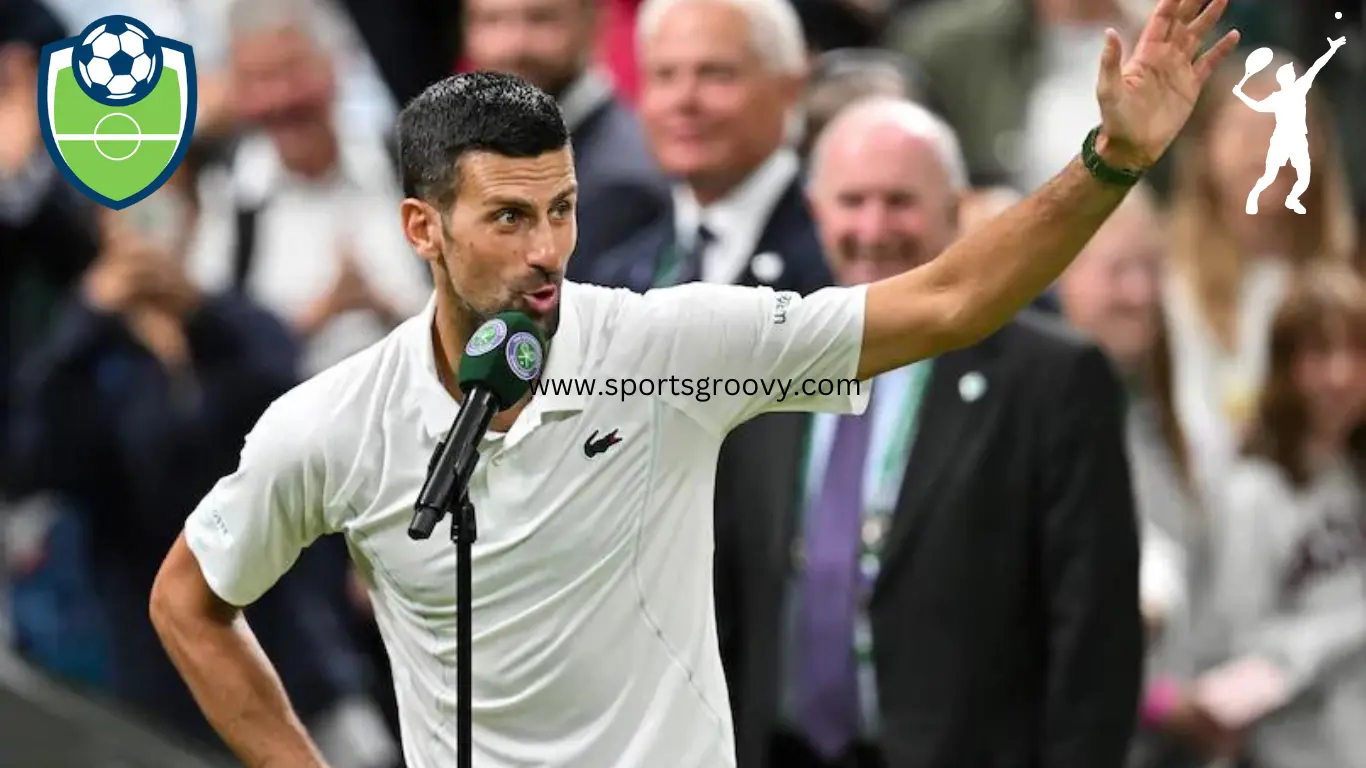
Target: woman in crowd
[
  {"x": 1229, "y": 268},
  {"x": 1290, "y": 555}
]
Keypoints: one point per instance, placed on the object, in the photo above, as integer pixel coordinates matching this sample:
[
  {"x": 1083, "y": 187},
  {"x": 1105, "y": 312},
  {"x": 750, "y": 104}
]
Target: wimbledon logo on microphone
[
  {"x": 524, "y": 355},
  {"x": 487, "y": 338}
]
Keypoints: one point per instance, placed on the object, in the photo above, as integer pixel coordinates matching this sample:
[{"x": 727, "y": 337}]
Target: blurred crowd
[{"x": 1160, "y": 485}]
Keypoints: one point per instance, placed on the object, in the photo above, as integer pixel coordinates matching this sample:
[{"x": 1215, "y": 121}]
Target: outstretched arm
[
  {"x": 983, "y": 280},
  {"x": 1307, "y": 80}
]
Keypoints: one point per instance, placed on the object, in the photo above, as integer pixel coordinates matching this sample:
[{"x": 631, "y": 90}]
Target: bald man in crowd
[{"x": 950, "y": 579}]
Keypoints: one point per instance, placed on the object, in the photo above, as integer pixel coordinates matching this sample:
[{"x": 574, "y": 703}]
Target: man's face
[
  {"x": 506, "y": 238},
  {"x": 545, "y": 42},
  {"x": 284, "y": 84},
  {"x": 1111, "y": 291},
  {"x": 711, "y": 109},
  {"x": 882, "y": 202}
]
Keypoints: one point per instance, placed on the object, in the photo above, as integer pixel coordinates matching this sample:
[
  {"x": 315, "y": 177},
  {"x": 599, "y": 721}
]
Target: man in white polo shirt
[{"x": 594, "y": 639}]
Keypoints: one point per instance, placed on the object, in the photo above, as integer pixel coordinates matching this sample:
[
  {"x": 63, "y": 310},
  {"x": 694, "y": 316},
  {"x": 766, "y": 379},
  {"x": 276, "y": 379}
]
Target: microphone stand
[
  {"x": 463, "y": 533},
  {"x": 446, "y": 491}
]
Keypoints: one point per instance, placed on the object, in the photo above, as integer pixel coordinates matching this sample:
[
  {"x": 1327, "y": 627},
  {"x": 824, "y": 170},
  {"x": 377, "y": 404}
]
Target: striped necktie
[{"x": 684, "y": 265}]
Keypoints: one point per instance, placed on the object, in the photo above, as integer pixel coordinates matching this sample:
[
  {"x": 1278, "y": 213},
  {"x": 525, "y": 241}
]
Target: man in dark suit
[
  {"x": 717, "y": 108},
  {"x": 550, "y": 43},
  {"x": 951, "y": 579}
]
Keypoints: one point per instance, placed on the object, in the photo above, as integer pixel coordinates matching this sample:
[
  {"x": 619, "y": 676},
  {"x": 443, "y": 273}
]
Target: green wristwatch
[{"x": 1100, "y": 169}]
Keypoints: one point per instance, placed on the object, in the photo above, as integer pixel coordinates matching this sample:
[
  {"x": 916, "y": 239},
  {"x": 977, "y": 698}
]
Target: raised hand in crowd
[
  {"x": 350, "y": 291},
  {"x": 146, "y": 287},
  {"x": 121, "y": 277}
]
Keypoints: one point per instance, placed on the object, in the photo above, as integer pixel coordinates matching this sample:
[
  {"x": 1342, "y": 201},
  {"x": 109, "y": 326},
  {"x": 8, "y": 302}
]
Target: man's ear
[{"x": 422, "y": 226}]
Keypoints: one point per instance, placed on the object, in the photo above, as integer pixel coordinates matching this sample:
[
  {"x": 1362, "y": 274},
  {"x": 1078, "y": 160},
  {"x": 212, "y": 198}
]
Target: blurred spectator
[
  {"x": 1229, "y": 269},
  {"x": 844, "y": 76},
  {"x": 1112, "y": 292},
  {"x": 305, "y": 219},
  {"x": 980, "y": 510},
  {"x": 1017, "y": 78},
  {"x": 47, "y": 232},
  {"x": 723, "y": 79},
  {"x": 550, "y": 44},
  {"x": 1292, "y": 537}
]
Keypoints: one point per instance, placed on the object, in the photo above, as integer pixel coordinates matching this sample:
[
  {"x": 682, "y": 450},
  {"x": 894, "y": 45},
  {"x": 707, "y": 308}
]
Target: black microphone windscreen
[{"x": 504, "y": 354}]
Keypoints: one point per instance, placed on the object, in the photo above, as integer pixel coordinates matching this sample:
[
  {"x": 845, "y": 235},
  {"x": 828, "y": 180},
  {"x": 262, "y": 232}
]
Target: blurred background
[{"x": 139, "y": 347}]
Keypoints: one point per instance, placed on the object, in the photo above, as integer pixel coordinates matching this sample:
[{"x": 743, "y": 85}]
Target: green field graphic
[{"x": 117, "y": 151}]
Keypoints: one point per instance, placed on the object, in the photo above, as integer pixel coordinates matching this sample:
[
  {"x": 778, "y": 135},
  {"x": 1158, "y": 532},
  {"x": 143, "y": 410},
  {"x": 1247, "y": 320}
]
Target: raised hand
[
  {"x": 1338, "y": 43},
  {"x": 1146, "y": 99},
  {"x": 349, "y": 291}
]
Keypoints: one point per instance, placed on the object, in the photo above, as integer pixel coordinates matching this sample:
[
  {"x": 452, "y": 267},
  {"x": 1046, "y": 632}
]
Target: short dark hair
[{"x": 476, "y": 111}]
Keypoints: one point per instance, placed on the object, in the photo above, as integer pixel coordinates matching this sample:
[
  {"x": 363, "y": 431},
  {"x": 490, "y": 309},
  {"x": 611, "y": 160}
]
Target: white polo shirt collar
[{"x": 564, "y": 362}]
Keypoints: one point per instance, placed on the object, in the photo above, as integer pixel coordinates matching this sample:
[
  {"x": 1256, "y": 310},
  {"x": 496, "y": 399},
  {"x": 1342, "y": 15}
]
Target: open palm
[{"x": 1145, "y": 101}]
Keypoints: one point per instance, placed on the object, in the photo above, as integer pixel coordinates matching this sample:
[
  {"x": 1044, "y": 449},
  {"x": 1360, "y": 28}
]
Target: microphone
[{"x": 500, "y": 361}]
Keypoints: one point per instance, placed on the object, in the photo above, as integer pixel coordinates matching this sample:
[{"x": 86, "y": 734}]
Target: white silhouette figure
[{"x": 1290, "y": 140}]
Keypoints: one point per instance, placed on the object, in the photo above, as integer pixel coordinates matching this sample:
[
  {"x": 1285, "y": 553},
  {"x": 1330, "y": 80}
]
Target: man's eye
[
  {"x": 508, "y": 216},
  {"x": 562, "y": 209}
]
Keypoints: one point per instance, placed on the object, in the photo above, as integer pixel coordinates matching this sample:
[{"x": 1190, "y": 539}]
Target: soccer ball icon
[{"x": 117, "y": 61}]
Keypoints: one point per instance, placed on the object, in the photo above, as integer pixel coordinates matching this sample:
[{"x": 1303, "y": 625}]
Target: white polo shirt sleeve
[
  {"x": 738, "y": 352},
  {"x": 251, "y": 527}
]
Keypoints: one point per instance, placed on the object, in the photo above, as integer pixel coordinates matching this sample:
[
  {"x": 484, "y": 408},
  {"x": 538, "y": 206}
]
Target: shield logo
[{"x": 117, "y": 108}]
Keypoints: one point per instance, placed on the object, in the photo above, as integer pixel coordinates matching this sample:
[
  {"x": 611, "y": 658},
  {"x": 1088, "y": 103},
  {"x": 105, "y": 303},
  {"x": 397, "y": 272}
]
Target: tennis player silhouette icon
[{"x": 1290, "y": 141}]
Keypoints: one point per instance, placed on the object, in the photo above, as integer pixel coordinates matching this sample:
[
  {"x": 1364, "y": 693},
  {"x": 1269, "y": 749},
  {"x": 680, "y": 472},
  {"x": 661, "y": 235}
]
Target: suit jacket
[
  {"x": 621, "y": 189},
  {"x": 1006, "y": 626},
  {"x": 789, "y": 236}
]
